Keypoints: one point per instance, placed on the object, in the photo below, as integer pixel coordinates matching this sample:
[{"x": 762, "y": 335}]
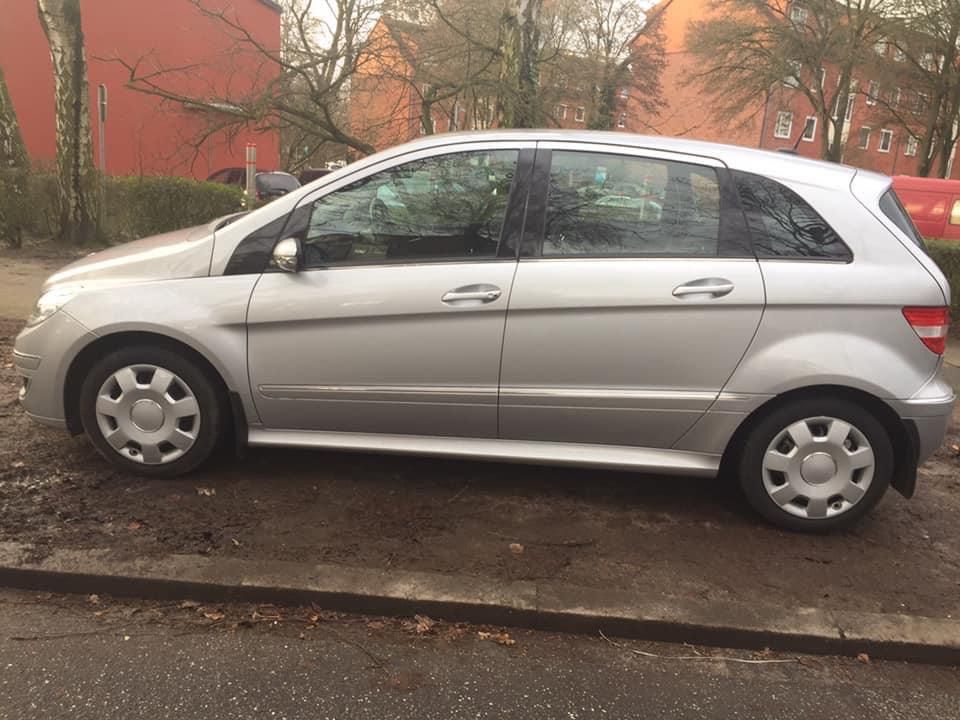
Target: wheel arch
[
  {"x": 903, "y": 434},
  {"x": 89, "y": 354}
]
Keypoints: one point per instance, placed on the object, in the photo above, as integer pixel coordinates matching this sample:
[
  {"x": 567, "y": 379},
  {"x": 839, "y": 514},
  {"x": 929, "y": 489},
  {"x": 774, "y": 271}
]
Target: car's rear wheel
[
  {"x": 149, "y": 410},
  {"x": 816, "y": 464}
]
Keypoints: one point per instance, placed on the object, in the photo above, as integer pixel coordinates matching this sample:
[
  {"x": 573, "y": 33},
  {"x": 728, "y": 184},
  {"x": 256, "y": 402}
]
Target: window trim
[
  {"x": 911, "y": 146},
  {"x": 733, "y": 242},
  {"x": 813, "y": 135},
  {"x": 873, "y": 92},
  {"x": 580, "y": 114},
  {"x": 863, "y": 142},
  {"x": 888, "y": 134}
]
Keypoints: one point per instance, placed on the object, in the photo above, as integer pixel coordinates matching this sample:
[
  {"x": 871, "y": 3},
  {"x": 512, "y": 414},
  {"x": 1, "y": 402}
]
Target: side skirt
[{"x": 654, "y": 460}]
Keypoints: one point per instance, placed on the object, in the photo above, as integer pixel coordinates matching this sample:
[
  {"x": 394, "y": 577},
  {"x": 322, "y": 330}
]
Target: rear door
[{"x": 635, "y": 297}]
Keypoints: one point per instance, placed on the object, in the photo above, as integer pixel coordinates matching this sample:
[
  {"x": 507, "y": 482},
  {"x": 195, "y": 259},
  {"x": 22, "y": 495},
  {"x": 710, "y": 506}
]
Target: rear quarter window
[
  {"x": 891, "y": 206},
  {"x": 784, "y": 225}
]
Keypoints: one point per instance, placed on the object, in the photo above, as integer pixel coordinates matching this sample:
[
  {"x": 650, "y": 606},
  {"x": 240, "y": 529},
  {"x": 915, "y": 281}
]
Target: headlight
[{"x": 51, "y": 301}]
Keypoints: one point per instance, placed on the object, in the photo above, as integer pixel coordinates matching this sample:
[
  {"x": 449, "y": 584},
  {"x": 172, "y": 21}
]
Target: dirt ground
[{"x": 672, "y": 537}]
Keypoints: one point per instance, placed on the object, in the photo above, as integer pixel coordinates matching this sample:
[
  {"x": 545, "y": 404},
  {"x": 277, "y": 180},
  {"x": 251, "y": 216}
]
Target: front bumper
[{"x": 42, "y": 356}]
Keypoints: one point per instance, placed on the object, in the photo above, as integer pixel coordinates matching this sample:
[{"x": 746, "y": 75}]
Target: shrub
[
  {"x": 946, "y": 253},
  {"x": 135, "y": 207}
]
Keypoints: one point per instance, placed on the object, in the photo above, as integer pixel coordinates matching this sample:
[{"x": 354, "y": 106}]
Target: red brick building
[{"x": 144, "y": 134}]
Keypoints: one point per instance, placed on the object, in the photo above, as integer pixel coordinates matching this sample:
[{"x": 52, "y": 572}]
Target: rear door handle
[
  {"x": 716, "y": 287},
  {"x": 471, "y": 295}
]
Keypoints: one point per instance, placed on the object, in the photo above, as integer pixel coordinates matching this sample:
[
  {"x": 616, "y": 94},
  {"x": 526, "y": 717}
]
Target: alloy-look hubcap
[
  {"x": 148, "y": 414},
  {"x": 818, "y": 468}
]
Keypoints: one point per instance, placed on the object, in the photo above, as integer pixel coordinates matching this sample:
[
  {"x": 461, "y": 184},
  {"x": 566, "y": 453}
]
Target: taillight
[{"x": 931, "y": 325}]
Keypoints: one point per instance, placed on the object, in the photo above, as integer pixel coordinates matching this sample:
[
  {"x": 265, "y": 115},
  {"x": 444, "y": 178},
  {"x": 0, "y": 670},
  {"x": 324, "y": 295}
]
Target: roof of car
[{"x": 768, "y": 162}]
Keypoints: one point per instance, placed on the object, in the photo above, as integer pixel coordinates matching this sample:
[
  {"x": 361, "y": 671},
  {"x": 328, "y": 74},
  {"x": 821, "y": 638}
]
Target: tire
[
  {"x": 832, "y": 484},
  {"x": 151, "y": 411}
]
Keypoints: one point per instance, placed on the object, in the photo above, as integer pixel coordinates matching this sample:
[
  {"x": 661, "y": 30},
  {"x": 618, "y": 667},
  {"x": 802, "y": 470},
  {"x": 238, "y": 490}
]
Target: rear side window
[
  {"x": 605, "y": 205},
  {"x": 783, "y": 224},
  {"x": 891, "y": 206}
]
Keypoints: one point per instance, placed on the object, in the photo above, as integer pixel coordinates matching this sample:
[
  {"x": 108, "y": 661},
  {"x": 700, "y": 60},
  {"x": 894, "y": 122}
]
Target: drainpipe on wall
[{"x": 763, "y": 122}]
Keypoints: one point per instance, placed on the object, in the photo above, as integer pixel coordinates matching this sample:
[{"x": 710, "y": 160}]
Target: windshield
[{"x": 892, "y": 207}]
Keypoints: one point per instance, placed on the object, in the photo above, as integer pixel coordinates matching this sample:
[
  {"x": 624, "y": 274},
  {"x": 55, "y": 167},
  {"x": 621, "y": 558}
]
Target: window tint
[
  {"x": 609, "y": 205},
  {"x": 783, "y": 224},
  {"x": 445, "y": 207},
  {"x": 891, "y": 207}
]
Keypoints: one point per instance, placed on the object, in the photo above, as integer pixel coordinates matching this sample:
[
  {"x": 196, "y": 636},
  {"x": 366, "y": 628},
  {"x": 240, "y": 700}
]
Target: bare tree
[
  {"x": 13, "y": 154},
  {"x": 323, "y": 43},
  {"x": 76, "y": 175},
  {"x": 518, "y": 104},
  {"x": 750, "y": 50}
]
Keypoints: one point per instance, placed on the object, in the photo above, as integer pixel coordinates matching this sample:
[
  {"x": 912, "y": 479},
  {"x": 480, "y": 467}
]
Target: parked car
[
  {"x": 932, "y": 203},
  {"x": 776, "y": 320},
  {"x": 310, "y": 174},
  {"x": 269, "y": 185}
]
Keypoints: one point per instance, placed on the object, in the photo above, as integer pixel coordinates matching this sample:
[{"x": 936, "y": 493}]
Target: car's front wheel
[
  {"x": 816, "y": 464},
  {"x": 151, "y": 411}
]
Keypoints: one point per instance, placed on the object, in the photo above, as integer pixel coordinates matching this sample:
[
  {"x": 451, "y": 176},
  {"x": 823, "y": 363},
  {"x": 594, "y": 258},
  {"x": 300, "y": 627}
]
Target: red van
[{"x": 932, "y": 203}]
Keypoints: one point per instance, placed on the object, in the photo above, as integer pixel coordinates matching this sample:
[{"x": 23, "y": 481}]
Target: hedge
[
  {"x": 134, "y": 207},
  {"x": 946, "y": 253}
]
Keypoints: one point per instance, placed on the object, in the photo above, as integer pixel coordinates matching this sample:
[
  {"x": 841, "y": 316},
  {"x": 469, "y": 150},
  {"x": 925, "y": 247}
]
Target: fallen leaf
[
  {"x": 18, "y": 464},
  {"x": 189, "y": 604},
  {"x": 134, "y": 525},
  {"x": 215, "y": 615},
  {"x": 236, "y": 543},
  {"x": 500, "y": 638},
  {"x": 206, "y": 492},
  {"x": 99, "y": 613},
  {"x": 516, "y": 548},
  {"x": 376, "y": 625},
  {"x": 483, "y": 635},
  {"x": 864, "y": 658},
  {"x": 93, "y": 599},
  {"x": 422, "y": 624}
]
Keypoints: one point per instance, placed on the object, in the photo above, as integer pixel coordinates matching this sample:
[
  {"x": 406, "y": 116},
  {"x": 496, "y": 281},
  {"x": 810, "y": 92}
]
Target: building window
[
  {"x": 895, "y": 97},
  {"x": 580, "y": 114},
  {"x": 923, "y": 102},
  {"x": 622, "y": 121},
  {"x": 851, "y": 99},
  {"x": 784, "y": 125},
  {"x": 793, "y": 76},
  {"x": 809, "y": 128},
  {"x": 561, "y": 112},
  {"x": 899, "y": 55},
  {"x": 886, "y": 140},
  {"x": 927, "y": 62},
  {"x": 863, "y": 141},
  {"x": 823, "y": 78},
  {"x": 873, "y": 92},
  {"x": 911, "y": 149},
  {"x": 798, "y": 15},
  {"x": 624, "y": 93},
  {"x": 880, "y": 47}
]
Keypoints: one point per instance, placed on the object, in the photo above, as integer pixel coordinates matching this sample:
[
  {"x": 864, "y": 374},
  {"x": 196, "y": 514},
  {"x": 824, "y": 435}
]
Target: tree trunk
[
  {"x": 519, "y": 81},
  {"x": 13, "y": 154},
  {"x": 76, "y": 175}
]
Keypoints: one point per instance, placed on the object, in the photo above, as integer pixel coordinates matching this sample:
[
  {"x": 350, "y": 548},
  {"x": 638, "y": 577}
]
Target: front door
[
  {"x": 636, "y": 300},
  {"x": 395, "y": 322}
]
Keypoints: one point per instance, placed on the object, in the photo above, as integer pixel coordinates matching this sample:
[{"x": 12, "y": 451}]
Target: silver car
[{"x": 474, "y": 295}]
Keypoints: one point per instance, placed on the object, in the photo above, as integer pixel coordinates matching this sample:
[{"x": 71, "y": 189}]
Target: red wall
[{"x": 147, "y": 135}]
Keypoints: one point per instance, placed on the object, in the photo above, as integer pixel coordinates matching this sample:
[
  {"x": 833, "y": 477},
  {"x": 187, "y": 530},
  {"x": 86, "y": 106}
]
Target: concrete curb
[{"x": 536, "y": 605}]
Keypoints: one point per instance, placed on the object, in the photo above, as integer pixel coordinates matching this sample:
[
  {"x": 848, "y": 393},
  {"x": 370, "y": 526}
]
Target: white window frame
[
  {"x": 622, "y": 120},
  {"x": 885, "y": 135},
  {"x": 880, "y": 47},
  {"x": 922, "y": 104},
  {"x": 562, "y": 111},
  {"x": 580, "y": 114},
  {"x": 898, "y": 54},
  {"x": 812, "y": 135},
  {"x": 783, "y": 134},
  {"x": 624, "y": 93},
  {"x": 895, "y": 97},
  {"x": 863, "y": 143},
  {"x": 851, "y": 99},
  {"x": 873, "y": 92},
  {"x": 823, "y": 78},
  {"x": 793, "y": 79},
  {"x": 911, "y": 146},
  {"x": 798, "y": 14}
]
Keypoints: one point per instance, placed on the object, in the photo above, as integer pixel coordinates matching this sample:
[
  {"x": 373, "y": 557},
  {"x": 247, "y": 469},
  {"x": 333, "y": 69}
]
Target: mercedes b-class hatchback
[{"x": 594, "y": 299}]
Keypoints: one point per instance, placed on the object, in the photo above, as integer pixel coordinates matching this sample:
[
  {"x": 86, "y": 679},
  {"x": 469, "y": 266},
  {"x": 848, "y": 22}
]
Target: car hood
[{"x": 180, "y": 254}]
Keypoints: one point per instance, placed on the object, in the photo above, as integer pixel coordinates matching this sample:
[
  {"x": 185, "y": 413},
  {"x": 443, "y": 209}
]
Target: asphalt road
[{"x": 69, "y": 658}]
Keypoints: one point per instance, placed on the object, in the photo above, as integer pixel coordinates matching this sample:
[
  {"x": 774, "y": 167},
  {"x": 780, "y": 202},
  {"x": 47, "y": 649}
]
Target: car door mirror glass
[{"x": 286, "y": 255}]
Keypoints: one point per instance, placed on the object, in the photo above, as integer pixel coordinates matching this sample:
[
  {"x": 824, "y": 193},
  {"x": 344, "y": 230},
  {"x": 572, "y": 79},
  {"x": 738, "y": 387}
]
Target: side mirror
[{"x": 286, "y": 254}]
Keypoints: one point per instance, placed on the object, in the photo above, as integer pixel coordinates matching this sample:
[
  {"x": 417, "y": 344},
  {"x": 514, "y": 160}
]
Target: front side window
[
  {"x": 602, "y": 204},
  {"x": 783, "y": 224},
  {"x": 448, "y": 207}
]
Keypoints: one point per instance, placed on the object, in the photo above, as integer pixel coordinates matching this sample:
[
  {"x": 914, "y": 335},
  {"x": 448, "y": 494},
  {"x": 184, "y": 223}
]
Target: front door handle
[
  {"x": 471, "y": 295},
  {"x": 715, "y": 287}
]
